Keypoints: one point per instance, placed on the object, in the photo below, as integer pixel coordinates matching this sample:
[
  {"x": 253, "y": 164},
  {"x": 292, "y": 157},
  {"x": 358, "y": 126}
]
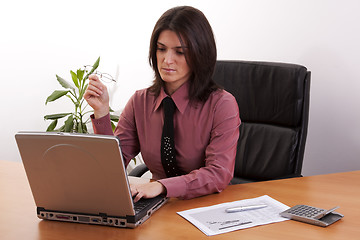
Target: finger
[
  {"x": 133, "y": 190},
  {"x": 94, "y": 77},
  {"x": 138, "y": 196},
  {"x": 97, "y": 84},
  {"x": 90, "y": 94},
  {"x": 95, "y": 89}
]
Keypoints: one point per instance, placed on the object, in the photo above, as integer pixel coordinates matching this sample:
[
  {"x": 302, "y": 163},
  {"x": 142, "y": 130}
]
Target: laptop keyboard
[{"x": 142, "y": 204}]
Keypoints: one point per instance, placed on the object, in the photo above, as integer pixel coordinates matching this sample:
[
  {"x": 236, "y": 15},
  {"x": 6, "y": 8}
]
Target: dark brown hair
[{"x": 194, "y": 32}]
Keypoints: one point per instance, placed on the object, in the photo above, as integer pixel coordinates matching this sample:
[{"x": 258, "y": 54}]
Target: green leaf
[
  {"x": 79, "y": 128},
  {"x": 81, "y": 94},
  {"x": 55, "y": 116},
  {"x": 64, "y": 83},
  {"x": 95, "y": 66},
  {"x": 110, "y": 110},
  {"x": 56, "y": 94},
  {"x": 114, "y": 118},
  {"x": 74, "y": 78},
  {"x": 52, "y": 126},
  {"x": 61, "y": 129},
  {"x": 80, "y": 74},
  {"x": 69, "y": 124},
  {"x": 84, "y": 128},
  {"x": 113, "y": 126}
]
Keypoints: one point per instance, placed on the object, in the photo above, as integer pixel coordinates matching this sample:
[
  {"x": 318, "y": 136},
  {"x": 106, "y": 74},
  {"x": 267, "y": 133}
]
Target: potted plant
[{"x": 76, "y": 121}]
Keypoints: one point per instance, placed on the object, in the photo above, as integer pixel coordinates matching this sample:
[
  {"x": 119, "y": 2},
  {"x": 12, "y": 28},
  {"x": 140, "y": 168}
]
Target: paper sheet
[{"x": 214, "y": 219}]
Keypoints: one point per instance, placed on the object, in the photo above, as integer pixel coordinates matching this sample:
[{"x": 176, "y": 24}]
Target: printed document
[{"x": 214, "y": 219}]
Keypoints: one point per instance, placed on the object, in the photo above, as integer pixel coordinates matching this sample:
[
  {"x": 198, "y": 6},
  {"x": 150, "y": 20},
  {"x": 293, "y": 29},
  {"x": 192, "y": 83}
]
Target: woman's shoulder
[
  {"x": 142, "y": 98},
  {"x": 221, "y": 100},
  {"x": 224, "y": 105},
  {"x": 222, "y": 95},
  {"x": 143, "y": 94}
]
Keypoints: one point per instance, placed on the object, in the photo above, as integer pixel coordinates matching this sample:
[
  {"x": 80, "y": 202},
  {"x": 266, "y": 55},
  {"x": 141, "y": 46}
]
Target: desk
[{"x": 18, "y": 217}]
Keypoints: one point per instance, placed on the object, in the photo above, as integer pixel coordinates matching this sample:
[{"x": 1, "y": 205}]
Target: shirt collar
[{"x": 180, "y": 97}]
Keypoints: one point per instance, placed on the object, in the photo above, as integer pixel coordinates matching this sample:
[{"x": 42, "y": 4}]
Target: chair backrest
[{"x": 273, "y": 101}]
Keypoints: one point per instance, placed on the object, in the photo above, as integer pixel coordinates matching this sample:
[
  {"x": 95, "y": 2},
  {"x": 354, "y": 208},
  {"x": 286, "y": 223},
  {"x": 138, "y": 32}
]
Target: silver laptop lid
[{"x": 81, "y": 173}]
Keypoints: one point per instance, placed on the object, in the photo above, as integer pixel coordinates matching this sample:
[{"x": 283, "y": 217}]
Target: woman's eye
[
  {"x": 180, "y": 53},
  {"x": 160, "y": 49}
]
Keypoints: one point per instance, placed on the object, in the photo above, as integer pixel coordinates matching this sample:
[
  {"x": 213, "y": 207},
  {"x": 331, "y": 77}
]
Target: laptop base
[
  {"x": 101, "y": 219},
  {"x": 112, "y": 221}
]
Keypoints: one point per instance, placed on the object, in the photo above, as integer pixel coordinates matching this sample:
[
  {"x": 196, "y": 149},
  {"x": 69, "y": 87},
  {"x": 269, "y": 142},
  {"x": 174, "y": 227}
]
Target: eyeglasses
[{"x": 105, "y": 77}]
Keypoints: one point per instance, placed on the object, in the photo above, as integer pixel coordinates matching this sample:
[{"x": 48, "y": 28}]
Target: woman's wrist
[{"x": 99, "y": 114}]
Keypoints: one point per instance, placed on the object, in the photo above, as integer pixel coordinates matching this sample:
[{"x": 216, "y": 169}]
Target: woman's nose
[{"x": 169, "y": 57}]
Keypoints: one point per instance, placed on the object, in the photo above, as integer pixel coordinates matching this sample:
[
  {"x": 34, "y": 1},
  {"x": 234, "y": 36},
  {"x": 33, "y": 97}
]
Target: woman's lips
[{"x": 168, "y": 70}]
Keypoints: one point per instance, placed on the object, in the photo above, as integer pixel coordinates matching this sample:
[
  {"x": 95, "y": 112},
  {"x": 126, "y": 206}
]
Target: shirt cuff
[
  {"x": 175, "y": 186},
  {"x": 102, "y": 125}
]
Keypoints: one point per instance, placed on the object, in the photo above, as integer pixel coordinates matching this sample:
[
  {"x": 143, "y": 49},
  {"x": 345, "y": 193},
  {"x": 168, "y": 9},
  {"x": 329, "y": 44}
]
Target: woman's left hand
[{"x": 147, "y": 190}]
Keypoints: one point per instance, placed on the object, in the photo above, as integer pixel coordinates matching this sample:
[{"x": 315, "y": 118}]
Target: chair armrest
[
  {"x": 237, "y": 180},
  {"x": 138, "y": 171}
]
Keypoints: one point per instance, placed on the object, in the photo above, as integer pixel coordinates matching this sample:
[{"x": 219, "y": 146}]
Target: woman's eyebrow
[
  {"x": 177, "y": 47},
  {"x": 161, "y": 44}
]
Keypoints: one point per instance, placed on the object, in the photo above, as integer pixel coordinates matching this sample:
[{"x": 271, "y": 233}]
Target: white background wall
[{"x": 39, "y": 39}]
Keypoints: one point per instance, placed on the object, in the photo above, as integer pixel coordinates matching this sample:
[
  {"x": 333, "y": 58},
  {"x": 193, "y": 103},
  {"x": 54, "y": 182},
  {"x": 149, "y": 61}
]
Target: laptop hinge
[{"x": 130, "y": 219}]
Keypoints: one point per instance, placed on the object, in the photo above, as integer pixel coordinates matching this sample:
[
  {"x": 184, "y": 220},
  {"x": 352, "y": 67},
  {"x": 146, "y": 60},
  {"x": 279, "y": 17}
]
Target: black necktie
[{"x": 168, "y": 159}]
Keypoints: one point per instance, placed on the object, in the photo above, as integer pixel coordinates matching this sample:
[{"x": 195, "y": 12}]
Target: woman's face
[{"x": 171, "y": 61}]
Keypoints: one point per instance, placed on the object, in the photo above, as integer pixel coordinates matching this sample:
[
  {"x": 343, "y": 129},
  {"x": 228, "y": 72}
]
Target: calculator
[{"x": 312, "y": 215}]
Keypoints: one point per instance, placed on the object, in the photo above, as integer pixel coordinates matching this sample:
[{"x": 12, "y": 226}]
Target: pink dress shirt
[{"x": 206, "y": 136}]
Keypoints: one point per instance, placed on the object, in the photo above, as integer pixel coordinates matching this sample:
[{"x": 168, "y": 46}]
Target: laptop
[{"x": 81, "y": 178}]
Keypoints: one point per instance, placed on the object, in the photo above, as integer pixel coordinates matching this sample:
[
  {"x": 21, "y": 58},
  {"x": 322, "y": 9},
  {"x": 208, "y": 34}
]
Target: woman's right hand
[{"x": 97, "y": 96}]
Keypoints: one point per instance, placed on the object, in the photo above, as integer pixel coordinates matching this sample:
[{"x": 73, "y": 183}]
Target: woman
[{"x": 206, "y": 118}]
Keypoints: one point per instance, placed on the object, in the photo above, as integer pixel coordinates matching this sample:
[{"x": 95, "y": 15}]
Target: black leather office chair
[{"x": 273, "y": 100}]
